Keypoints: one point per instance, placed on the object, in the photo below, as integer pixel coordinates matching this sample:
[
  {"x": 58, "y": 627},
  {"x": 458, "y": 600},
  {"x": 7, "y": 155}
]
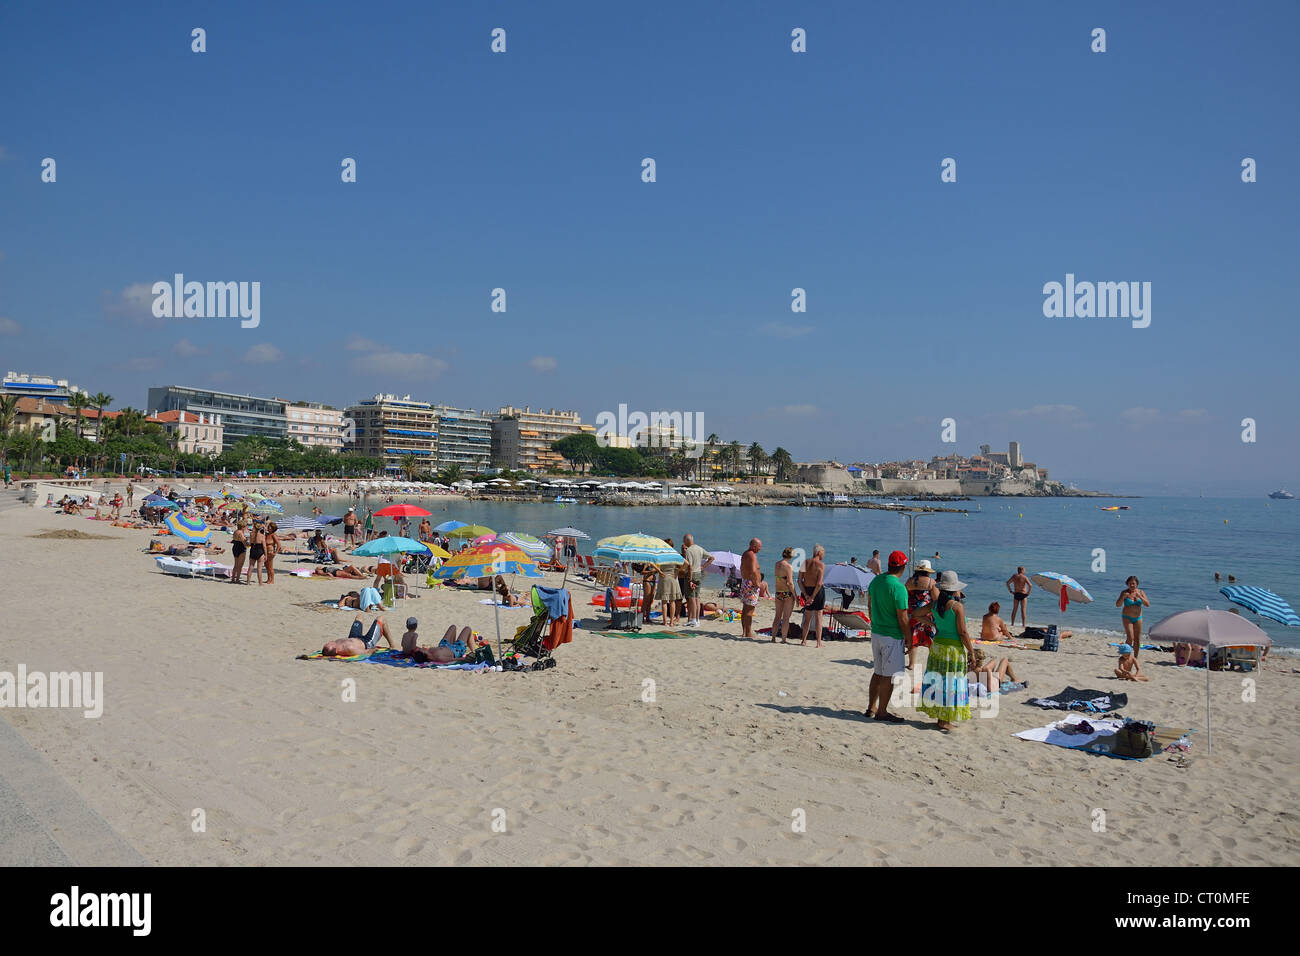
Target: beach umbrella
[
  {"x": 470, "y": 531},
  {"x": 449, "y": 526},
  {"x": 329, "y": 519},
  {"x": 393, "y": 544},
  {"x": 1063, "y": 586},
  {"x": 482, "y": 539},
  {"x": 266, "y": 506},
  {"x": 489, "y": 560},
  {"x": 723, "y": 562},
  {"x": 848, "y": 577},
  {"x": 232, "y": 493},
  {"x": 300, "y": 523},
  {"x": 526, "y": 543},
  {"x": 1263, "y": 602},
  {"x": 187, "y": 528},
  {"x": 568, "y": 533},
  {"x": 1209, "y": 629},
  {"x": 402, "y": 511},
  {"x": 639, "y": 548}
]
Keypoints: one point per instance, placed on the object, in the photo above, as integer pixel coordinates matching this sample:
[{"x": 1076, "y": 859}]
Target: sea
[{"x": 1173, "y": 545}]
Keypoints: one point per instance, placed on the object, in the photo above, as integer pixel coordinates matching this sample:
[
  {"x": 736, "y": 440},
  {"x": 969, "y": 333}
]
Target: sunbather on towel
[
  {"x": 991, "y": 673},
  {"x": 453, "y": 649},
  {"x": 507, "y": 597},
  {"x": 339, "y": 571},
  {"x": 358, "y": 641},
  {"x": 1129, "y": 668},
  {"x": 364, "y": 600}
]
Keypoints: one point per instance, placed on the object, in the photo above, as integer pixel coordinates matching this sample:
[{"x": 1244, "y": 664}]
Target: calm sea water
[{"x": 1173, "y": 545}]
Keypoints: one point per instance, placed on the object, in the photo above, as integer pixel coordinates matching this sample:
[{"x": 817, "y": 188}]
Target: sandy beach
[{"x": 206, "y": 708}]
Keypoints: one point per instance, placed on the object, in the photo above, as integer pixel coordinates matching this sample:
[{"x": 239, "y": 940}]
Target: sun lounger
[{"x": 192, "y": 569}]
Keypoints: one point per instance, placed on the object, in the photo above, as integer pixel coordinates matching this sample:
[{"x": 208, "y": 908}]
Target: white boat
[{"x": 1283, "y": 495}]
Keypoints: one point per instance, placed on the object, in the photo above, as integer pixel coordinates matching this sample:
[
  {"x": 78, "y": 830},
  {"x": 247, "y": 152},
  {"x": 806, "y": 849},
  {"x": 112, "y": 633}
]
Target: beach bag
[
  {"x": 623, "y": 620},
  {"x": 1134, "y": 740},
  {"x": 1052, "y": 640}
]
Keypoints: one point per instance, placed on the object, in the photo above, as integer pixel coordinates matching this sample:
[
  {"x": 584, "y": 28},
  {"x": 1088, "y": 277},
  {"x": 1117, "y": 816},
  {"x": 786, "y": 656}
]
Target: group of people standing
[{"x": 254, "y": 546}]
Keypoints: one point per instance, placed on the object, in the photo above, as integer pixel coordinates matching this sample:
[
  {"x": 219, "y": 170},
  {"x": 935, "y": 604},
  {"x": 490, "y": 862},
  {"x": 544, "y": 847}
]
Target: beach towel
[
  {"x": 1004, "y": 643},
  {"x": 1102, "y": 739},
  {"x": 556, "y": 601},
  {"x": 650, "y": 635},
  {"x": 507, "y": 607},
  {"x": 1090, "y": 701},
  {"x": 1144, "y": 647},
  {"x": 392, "y": 658}
]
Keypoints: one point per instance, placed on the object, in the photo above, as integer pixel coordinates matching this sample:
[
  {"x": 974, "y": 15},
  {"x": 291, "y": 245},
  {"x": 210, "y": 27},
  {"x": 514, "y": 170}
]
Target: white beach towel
[{"x": 1050, "y": 734}]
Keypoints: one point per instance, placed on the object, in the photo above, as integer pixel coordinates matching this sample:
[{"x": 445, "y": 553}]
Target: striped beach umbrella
[
  {"x": 1263, "y": 602},
  {"x": 568, "y": 533},
  {"x": 487, "y": 560},
  {"x": 1063, "y": 586},
  {"x": 300, "y": 523},
  {"x": 529, "y": 545},
  {"x": 187, "y": 528},
  {"x": 266, "y": 506},
  {"x": 638, "y": 548}
]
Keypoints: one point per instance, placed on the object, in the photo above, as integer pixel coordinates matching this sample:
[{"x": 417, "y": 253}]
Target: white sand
[{"x": 207, "y": 708}]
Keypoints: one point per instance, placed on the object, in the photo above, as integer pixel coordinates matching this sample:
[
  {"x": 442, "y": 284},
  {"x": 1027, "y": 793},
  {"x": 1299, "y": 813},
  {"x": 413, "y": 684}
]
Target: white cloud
[
  {"x": 782, "y": 330},
  {"x": 9, "y": 327},
  {"x": 799, "y": 409},
  {"x": 543, "y": 363},
  {"x": 404, "y": 365},
  {"x": 1059, "y": 414},
  {"x": 132, "y": 304},
  {"x": 1140, "y": 417},
  {"x": 186, "y": 349},
  {"x": 263, "y": 353},
  {"x": 359, "y": 344},
  {"x": 1195, "y": 416}
]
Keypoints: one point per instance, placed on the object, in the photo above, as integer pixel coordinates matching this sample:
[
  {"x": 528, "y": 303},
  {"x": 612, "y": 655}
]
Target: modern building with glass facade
[
  {"x": 392, "y": 428},
  {"x": 39, "y": 386},
  {"x": 464, "y": 438},
  {"x": 242, "y": 416}
]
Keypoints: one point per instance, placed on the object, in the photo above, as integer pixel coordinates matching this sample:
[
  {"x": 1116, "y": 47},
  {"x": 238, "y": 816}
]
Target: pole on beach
[{"x": 1209, "y": 734}]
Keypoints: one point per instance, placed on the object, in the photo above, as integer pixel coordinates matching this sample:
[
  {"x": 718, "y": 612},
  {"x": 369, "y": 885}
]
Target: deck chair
[{"x": 1239, "y": 658}]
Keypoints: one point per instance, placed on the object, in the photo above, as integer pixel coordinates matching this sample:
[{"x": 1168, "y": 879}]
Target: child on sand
[{"x": 1129, "y": 668}]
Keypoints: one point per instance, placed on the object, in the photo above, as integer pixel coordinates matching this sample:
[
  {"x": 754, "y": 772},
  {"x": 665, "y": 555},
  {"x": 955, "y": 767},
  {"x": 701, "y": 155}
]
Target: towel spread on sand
[
  {"x": 508, "y": 607},
  {"x": 1144, "y": 647},
  {"x": 392, "y": 658},
  {"x": 1005, "y": 643},
  {"x": 1098, "y": 742},
  {"x": 1091, "y": 701}
]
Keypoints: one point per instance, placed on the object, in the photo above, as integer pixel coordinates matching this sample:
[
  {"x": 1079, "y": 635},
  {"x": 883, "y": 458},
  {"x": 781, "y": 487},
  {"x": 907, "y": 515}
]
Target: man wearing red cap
[{"x": 891, "y": 636}]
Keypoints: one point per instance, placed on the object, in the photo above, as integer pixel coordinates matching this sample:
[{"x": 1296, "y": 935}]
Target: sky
[{"x": 774, "y": 170}]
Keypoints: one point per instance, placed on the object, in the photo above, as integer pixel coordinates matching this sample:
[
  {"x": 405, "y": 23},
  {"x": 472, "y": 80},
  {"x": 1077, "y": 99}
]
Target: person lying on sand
[
  {"x": 340, "y": 571},
  {"x": 993, "y": 628},
  {"x": 452, "y": 649},
  {"x": 358, "y": 642},
  {"x": 507, "y": 597},
  {"x": 992, "y": 672},
  {"x": 363, "y": 600},
  {"x": 1129, "y": 668}
]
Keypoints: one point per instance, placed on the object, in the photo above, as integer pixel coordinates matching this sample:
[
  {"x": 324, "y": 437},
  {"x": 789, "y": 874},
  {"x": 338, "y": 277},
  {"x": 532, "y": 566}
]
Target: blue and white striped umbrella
[
  {"x": 637, "y": 548},
  {"x": 300, "y": 523},
  {"x": 567, "y": 533},
  {"x": 1263, "y": 602},
  {"x": 526, "y": 543}
]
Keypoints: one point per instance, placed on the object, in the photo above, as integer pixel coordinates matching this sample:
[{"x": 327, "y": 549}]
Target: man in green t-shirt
[{"x": 891, "y": 636}]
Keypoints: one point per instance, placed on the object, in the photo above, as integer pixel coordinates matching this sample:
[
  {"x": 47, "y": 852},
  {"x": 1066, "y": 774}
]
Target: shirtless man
[
  {"x": 1129, "y": 668},
  {"x": 749, "y": 586},
  {"x": 350, "y": 527},
  {"x": 1019, "y": 586},
  {"x": 993, "y": 628},
  {"x": 811, "y": 576},
  {"x": 444, "y": 653},
  {"x": 358, "y": 642}
]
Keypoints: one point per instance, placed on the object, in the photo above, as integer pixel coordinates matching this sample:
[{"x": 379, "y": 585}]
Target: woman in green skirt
[{"x": 945, "y": 693}]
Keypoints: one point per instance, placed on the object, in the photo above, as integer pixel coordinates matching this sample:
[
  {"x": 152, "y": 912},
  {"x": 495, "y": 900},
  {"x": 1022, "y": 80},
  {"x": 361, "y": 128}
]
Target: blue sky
[{"x": 775, "y": 170}]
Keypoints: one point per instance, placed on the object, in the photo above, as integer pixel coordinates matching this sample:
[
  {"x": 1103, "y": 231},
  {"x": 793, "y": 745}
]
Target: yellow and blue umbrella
[
  {"x": 488, "y": 560},
  {"x": 266, "y": 506},
  {"x": 637, "y": 548},
  {"x": 187, "y": 528}
]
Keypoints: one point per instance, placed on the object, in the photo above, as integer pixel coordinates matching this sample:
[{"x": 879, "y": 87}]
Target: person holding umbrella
[{"x": 1131, "y": 601}]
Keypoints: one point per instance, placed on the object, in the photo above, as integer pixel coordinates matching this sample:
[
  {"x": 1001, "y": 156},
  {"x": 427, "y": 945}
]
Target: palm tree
[
  {"x": 78, "y": 403},
  {"x": 100, "y": 401},
  {"x": 410, "y": 466},
  {"x": 8, "y": 414},
  {"x": 756, "y": 458},
  {"x": 783, "y": 462},
  {"x": 710, "y": 444},
  {"x": 451, "y": 474},
  {"x": 733, "y": 458}
]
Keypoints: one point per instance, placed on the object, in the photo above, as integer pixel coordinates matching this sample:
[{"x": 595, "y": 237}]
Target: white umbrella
[{"x": 1209, "y": 629}]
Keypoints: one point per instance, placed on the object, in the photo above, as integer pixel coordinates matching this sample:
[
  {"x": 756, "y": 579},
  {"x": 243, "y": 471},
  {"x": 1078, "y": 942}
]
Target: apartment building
[
  {"x": 391, "y": 428},
  {"x": 196, "y": 434},
  {"x": 521, "y": 437},
  {"x": 316, "y": 425},
  {"x": 464, "y": 438}
]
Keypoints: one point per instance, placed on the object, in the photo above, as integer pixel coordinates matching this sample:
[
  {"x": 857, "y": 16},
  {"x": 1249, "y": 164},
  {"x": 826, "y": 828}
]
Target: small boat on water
[{"x": 1282, "y": 495}]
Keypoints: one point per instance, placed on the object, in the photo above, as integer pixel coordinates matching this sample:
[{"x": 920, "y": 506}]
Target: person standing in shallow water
[{"x": 1019, "y": 586}]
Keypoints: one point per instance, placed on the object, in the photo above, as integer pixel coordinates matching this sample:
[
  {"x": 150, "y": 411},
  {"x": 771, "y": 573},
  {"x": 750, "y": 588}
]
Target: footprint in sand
[{"x": 408, "y": 846}]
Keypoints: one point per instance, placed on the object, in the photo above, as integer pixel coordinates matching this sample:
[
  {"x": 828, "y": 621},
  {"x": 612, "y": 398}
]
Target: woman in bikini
[
  {"x": 271, "y": 544},
  {"x": 784, "y": 595},
  {"x": 921, "y": 593},
  {"x": 1131, "y": 602},
  {"x": 237, "y": 547},
  {"x": 256, "y": 550}
]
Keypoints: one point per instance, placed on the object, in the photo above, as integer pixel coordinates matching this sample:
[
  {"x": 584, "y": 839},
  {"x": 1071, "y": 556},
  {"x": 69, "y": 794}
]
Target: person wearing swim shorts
[
  {"x": 359, "y": 640},
  {"x": 891, "y": 636},
  {"x": 811, "y": 576},
  {"x": 1019, "y": 585},
  {"x": 749, "y": 586},
  {"x": 698, "y": 559}
]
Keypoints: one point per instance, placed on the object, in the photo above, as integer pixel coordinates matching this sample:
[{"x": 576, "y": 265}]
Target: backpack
[
  {"x": 1051, "y": 642},
  {"x": 1134, "y": 739}
]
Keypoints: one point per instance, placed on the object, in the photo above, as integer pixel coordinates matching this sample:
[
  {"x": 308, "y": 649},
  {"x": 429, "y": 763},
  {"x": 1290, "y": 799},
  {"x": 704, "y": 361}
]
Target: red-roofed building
[{"x": 196, "y": 433}]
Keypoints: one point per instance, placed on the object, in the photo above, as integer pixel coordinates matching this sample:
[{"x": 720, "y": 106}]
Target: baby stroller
[{"x": 529, "y": 640}]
